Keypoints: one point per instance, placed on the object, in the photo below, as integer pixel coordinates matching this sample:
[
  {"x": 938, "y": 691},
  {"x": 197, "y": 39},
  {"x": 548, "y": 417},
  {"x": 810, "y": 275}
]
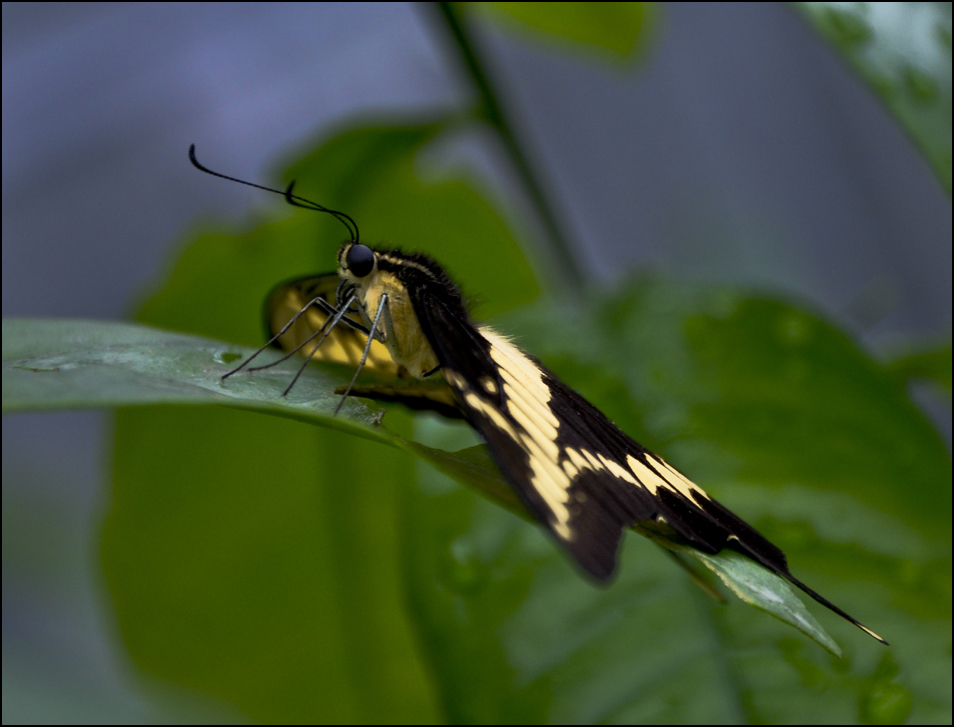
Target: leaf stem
[{"x": 489, "y": 109}]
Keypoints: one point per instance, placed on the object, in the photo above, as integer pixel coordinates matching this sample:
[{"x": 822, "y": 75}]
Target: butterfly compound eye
[{"x": 360, "y": 260}]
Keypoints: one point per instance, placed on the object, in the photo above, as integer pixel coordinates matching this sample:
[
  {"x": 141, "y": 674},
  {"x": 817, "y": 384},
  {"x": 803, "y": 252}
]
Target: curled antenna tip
[
  {"x": 195, "y": 160},
  {"x": 291, "y": 198}
]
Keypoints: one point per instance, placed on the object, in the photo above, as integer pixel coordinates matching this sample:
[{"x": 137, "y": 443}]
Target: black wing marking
[{"x": 575, "y": 470}]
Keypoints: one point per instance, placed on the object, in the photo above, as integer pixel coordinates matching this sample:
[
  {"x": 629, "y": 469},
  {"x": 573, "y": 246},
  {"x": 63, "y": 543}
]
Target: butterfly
[{"x": 400, "y": 316}]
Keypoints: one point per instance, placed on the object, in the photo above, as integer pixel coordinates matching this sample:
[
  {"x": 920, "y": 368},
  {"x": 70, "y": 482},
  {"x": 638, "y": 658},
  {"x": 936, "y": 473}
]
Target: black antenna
[{"x": 292, "y": 199}]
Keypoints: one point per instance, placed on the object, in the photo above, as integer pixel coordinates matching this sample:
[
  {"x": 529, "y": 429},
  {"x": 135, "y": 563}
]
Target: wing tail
[{"x": 727, "y": 530}]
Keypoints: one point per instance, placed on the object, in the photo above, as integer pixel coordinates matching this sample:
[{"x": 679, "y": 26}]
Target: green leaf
[
  {"x": 617, "y": 30},
  {"x": 903, "y": 51},
  {"x": 263, "y": 567},
  {"x": 71, "y": 364},
  {"x": 75, "y": 363},
  {"x": 757, "y": 586},
  {"x": 933, "y": 364}
]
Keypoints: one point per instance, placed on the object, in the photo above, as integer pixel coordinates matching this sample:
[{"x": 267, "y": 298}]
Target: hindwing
[
  {"x": 383, "y": 379},
  {"x": 343, "y": 345}
]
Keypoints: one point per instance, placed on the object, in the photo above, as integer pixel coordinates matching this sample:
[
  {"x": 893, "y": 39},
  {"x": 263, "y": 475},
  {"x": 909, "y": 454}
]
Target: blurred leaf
[
  {"x": 262, "y": 567},
  {"x": 619, "y": 28},
  {"x": 931, "y": 364},
  {"x": 219, "y": 284},
  {"x": 371, "y": 174},
  {"x": 286, "y": 536},
  {"x": 903, "y": 51}
]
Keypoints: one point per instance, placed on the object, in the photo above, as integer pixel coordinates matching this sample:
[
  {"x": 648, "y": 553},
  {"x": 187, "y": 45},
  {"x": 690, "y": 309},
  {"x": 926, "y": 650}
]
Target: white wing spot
[
  {"x": 455, "y": 379},
  {"x": 682, "y": 483},
  {"x": 491, "y": 412},
  {"x": 653, "y": 480},
  {"x": 616, "y": 469},
  {"x": 594, "y": 463}
]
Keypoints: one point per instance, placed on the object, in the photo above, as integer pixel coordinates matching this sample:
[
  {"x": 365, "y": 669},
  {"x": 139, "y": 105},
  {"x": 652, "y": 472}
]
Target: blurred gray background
[{"x": 740, "y": 150}]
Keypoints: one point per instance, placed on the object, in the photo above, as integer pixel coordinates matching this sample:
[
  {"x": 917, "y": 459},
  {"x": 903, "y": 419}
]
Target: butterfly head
[{"x": 356, "y": 262}]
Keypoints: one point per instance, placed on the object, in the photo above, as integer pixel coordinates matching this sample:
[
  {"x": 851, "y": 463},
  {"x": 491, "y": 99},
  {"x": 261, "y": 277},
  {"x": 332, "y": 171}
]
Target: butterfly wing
[
  {"x": 382, "y": 379},
  {"x": 572, "y": 467},
  {"x": 343, "y": 345}
]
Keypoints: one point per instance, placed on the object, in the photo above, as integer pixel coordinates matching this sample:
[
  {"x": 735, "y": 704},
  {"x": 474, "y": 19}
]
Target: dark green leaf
[{"x": 72, "y": 364}]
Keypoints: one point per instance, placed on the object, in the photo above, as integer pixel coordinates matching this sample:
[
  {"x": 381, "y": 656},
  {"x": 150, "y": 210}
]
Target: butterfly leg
[{"x": 364, "y": 356}]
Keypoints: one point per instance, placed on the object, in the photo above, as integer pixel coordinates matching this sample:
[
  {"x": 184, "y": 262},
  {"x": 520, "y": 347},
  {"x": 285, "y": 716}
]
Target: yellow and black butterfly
[{"x": 586, "y": 481}]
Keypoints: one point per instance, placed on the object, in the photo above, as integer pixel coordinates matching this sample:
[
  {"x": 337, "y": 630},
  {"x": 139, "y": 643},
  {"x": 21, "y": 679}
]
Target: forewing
[
  {"x": 546, "y": 443},
  {"x": 572, "y": 467}
]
